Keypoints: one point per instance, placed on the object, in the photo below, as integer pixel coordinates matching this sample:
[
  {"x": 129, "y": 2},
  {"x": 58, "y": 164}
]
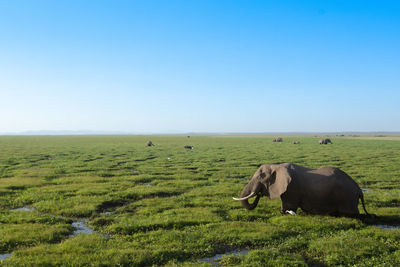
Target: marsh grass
[{"x": 164, "y": 205}]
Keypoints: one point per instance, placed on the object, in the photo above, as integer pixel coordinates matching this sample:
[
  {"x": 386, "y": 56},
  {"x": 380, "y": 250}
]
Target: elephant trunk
[{"x": 247, "y": 191}]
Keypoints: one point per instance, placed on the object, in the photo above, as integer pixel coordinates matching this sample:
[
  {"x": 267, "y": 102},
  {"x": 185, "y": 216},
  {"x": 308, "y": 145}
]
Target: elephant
[
  {"x": 149, "y": 143},
  {"x": 279, "y": 139},
  {"x": 323, "y": 191},
  {"x": 325, "y": 141}
]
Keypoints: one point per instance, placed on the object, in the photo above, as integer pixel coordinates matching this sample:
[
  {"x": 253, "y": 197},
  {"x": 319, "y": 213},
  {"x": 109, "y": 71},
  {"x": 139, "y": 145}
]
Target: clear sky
[{"x": 200, "y": 66}]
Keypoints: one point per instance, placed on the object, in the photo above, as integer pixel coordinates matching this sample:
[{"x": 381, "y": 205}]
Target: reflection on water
[
  {"x": 386, "y": 226},
  {"x": 80, "y": 228},
  {"x": 4, "y": 256},
  {"x": 214, "y": 260},
  {"x": 24, "y": 209}
]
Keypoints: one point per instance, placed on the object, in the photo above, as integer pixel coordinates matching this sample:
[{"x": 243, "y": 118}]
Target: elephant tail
[{"x": 362, "y": 202}]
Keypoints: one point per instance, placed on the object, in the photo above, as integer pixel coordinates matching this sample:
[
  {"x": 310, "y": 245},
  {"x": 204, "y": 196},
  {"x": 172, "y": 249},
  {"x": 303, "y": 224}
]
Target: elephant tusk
[{"x": 244, "y": 198}]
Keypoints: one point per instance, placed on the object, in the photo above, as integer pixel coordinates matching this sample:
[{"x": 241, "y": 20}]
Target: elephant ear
[{"x": 278, "y": 181}]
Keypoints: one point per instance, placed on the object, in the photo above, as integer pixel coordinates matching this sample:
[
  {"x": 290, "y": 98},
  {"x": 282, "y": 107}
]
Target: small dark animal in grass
[
  {"x": 189, "y": 147},
  {"x": 279, "y": 139},
  {"x": 296, "y": 142},
  {"x": 325, "y": 141},
  {"x": 149, "y": 143},
  {"x": 326, "y": 190}
]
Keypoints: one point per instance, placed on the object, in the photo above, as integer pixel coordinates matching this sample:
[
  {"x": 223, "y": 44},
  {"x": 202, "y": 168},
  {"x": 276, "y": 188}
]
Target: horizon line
[{"x": 90, "y": 132}]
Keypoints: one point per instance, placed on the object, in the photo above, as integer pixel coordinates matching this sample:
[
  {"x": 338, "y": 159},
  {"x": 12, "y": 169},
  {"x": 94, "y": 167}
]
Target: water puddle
[
  {"x": 80, "y": 225},
  {"x": 80, "y": 228},
  {"x": 215, "y": 260},
  {"x": 24, "y": 209},
  {"x": 389, "y": 227},
  {"x": 4, "y": 256}
]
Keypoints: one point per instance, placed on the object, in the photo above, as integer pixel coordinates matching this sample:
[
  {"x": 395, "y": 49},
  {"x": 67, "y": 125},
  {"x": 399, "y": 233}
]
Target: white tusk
[{"x": 244, "y": 198}]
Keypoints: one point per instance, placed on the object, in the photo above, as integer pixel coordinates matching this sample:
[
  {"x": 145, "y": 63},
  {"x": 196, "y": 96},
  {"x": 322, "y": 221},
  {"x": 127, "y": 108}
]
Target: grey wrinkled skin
[{"x": 326, "y": 190}]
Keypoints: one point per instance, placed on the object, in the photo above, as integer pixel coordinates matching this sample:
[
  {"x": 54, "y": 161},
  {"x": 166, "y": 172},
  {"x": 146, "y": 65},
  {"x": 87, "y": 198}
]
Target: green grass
[{"x": 167, "y": 206}]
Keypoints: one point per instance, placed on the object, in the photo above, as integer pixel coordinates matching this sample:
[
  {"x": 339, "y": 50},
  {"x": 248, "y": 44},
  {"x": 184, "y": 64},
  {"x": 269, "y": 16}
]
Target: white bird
[{"x": 291, "y": 212}]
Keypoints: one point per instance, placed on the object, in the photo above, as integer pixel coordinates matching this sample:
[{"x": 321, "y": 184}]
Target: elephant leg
[{"x": 349, "y": 206}]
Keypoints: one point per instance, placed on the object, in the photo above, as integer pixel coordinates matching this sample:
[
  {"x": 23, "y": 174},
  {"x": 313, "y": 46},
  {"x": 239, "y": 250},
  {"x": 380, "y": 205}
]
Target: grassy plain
[{"x": 164, "y": 205}]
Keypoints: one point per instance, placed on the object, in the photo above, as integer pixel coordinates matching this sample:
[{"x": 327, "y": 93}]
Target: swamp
[{"x": 114, "y": 201}]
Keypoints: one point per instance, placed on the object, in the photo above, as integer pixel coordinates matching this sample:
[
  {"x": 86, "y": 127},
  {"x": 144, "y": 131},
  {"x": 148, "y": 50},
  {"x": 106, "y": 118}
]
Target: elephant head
[{"x": 269, "y": 180}]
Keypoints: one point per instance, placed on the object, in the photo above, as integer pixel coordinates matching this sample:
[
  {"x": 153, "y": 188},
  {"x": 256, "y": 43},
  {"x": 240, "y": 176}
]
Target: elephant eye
[{"x": 262, "y": 175}]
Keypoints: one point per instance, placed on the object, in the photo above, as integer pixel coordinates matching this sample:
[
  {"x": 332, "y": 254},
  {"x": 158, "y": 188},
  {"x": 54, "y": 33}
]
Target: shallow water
[
  {"x": 24, "y": 209},
  {"x": 215, "y": 260},
  {"x": 80, "y": 228},
  {"x": 386, "y": 226},
  {"x": 4, "y": 256}
]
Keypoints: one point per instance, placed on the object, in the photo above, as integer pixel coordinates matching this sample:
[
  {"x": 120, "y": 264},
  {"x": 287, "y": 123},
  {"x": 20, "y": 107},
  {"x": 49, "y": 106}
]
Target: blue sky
[{"x": 200, "y": 66}]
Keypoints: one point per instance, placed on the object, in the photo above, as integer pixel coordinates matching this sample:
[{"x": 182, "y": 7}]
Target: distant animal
[
  {"x": 149, "y": 143},
  {"x": 325, "y": 141},
  {"x": 189, "y": 147},
  {"x": 279, "y": 139},
  {"x": 326, "y": 190},
  {"x": 296, "y": 142}
]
